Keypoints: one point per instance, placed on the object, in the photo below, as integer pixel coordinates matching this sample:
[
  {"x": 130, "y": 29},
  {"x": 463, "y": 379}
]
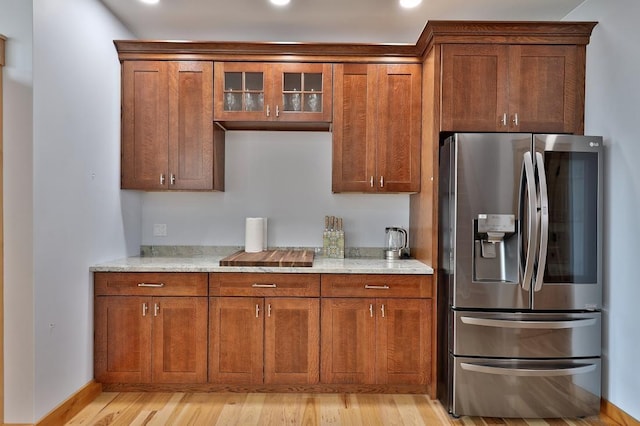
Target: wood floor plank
[
  {"x": 86, "y": 416},
  {"x": 246, "y": 409}
]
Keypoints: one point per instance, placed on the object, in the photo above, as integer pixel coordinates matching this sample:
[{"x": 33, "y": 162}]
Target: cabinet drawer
[
  {"x": 248, "y": 284},
  {"x": 150, "y": 284},
  {"x": 358, "y": 285}
]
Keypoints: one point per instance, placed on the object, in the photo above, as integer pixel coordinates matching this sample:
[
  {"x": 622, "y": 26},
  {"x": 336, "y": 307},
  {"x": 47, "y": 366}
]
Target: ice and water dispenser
[{"x": 495, "y": 248}]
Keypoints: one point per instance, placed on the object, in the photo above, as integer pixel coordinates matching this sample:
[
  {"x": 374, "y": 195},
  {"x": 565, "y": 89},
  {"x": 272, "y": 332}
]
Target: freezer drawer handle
[
  {"x": 543, "y": 372},
  {"x": 528, "y": 324}
]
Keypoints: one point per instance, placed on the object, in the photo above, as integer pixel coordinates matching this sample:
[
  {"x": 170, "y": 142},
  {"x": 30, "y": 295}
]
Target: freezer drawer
[
  {"x": 525, "y": 335},
  {"x": 520, "y": 388}
]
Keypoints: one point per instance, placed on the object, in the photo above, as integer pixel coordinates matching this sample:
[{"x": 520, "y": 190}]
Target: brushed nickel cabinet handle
[
  {"x": 155, "y": 285},
  {"x": 371, "y": 310},
  {"x": 145, "y": 309},
  {"x": 376, "y": 287},
  {"x": 381, "y": 181},
  {"x": 156, "y": 309},
  {"x": 515, "y": 119},
  {"x": 277, "y": 111},
  {"x": 503, "y": 121},
  {"x": 269, "y": 310},
  {"x": 257, "y": 311},
  {"x": 161, "y": 178},
  {"x": 268, "y": 111},
  {"x": 172, "y": 179},
  {"x": 371, "y": 181},
  {"x": 257, "y": 285},
  {"x": 382, "y": 310}
]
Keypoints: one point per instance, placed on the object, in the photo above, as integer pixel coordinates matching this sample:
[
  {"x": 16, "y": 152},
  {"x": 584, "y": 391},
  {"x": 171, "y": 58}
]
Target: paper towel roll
[
  {"x": 265, "y": 234},
  {"x": 254, "y": 234}
]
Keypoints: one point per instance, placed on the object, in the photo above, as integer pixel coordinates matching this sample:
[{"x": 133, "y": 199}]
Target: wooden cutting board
[{"x": 281, "y": 258}]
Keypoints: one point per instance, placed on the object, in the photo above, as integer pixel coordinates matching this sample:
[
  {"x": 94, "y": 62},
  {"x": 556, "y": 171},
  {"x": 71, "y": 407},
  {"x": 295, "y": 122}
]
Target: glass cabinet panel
[
  {"x": 243, "y": 91},
  {"x": 302, "y": 92},
  {"x": 253, "y": 92}
]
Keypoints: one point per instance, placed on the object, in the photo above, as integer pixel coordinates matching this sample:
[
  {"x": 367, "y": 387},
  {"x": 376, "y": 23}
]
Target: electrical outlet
[{"x": 159, "y": 229}]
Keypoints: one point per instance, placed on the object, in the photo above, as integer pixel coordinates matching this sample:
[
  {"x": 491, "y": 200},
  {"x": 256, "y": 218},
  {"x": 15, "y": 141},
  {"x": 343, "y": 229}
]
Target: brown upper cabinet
[
  {"x": 510, "y": 88},
  {"x": 252, "y": 92},
  {"x": 169, "y": 141},
  {"x": 376, "y": 128}
]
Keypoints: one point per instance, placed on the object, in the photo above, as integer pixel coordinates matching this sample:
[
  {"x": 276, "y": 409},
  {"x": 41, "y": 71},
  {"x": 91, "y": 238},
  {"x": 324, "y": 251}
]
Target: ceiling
[{"x": 350, "y": 21}]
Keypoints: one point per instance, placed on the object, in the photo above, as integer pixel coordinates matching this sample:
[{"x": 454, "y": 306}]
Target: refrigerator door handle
[
  {"x": 528, "y": 179},
  {"x": 506, "y": 323},
  {"x": 530, "y": 372},
  {"x": 544, "y": 222}
]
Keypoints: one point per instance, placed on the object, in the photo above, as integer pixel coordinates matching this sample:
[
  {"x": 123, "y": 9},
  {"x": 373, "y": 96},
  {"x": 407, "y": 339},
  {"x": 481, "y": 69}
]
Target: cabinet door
[
  {"x": 191, "y": 144},
  {"x": 179, "y": 339},
  {"x": 399, "y": 123},
  {"x": 122, "y": 339},
  {"x": 348, "y": 341},
  {"x": 474, "y": 88},
  {"x": 354, "y": 128},
  {"x": 543, "y": 88},
  {"x": 292, "y": 341},
  {"x": 236, "y": 340},
  {"x": 302, "y": 92},
  {"x": 242, "y": 91},
  {"x": 404, "y": 341},
  {"x": 145, "y": 125}
]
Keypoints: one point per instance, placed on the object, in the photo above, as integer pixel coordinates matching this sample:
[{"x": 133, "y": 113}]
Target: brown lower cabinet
[
  {"x": 376, "y": 329},
  {"x": 264, "y": 328},
  {"x": 222, "y": 330},
  {"x": 264, "y": 340},
  {"x": 143, "y": 336},
  {"x": 376, "y": 341}
]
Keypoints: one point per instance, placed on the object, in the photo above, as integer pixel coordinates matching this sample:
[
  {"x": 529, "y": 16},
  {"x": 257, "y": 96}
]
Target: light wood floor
[{"x": 135, "y": 408}]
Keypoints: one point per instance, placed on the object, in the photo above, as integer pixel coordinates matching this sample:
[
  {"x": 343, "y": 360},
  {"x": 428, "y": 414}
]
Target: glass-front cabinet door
[
  {"x": 239, "y": 91},
  {"x": 250, "y": 91},
  {"x": 303, "y": 92}
]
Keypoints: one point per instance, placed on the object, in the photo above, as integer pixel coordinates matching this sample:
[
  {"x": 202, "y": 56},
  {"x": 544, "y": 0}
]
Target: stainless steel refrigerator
[{"x": 520, "y": 281}]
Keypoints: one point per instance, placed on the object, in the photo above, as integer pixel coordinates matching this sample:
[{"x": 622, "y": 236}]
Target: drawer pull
[
  {"x": 156, "y": 285},
  {"x": 376, "y": 287},
  {"x": 256, "y": 285}
]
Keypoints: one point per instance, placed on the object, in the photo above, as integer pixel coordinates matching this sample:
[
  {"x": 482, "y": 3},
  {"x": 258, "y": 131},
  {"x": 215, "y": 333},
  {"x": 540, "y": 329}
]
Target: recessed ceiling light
[
  {"x": 279, "y": 2},
  {"x": 409, "y": 3},
  {"x": 150, "y": 1}
]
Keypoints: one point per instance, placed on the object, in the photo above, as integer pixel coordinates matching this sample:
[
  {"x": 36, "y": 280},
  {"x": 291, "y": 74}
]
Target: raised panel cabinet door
[
  {"x": 122, "y": 345},
  {"x": 236, "y": 340},
  {"x": 191, "y": 132},
  {"x": 404, "y": 341},
  {"x": 399, "y": 126},
  {"x": 179, "y": 339},
  {"x": 543, "y": 88},
  {"x": 145, "y": 125},
  {"x": 292, "y": 341},
  {"x": 348, "y": 350},
  {"x": 474, "y": 88},
  {"x": 354, "y": 128}
]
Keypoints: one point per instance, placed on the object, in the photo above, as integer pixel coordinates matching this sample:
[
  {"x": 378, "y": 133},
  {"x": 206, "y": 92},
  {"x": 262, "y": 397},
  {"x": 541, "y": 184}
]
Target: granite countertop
[{"x": 211, "y": 263}]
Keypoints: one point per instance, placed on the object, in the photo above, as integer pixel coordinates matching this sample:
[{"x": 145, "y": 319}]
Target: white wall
[
  {"x": 613, "y": 105},
  {"x": 285, "y": 176},
  {"x": 16, "y": 24},
  {"x": 80, "y": 215},
  {"x": 63, "y": 207}
]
